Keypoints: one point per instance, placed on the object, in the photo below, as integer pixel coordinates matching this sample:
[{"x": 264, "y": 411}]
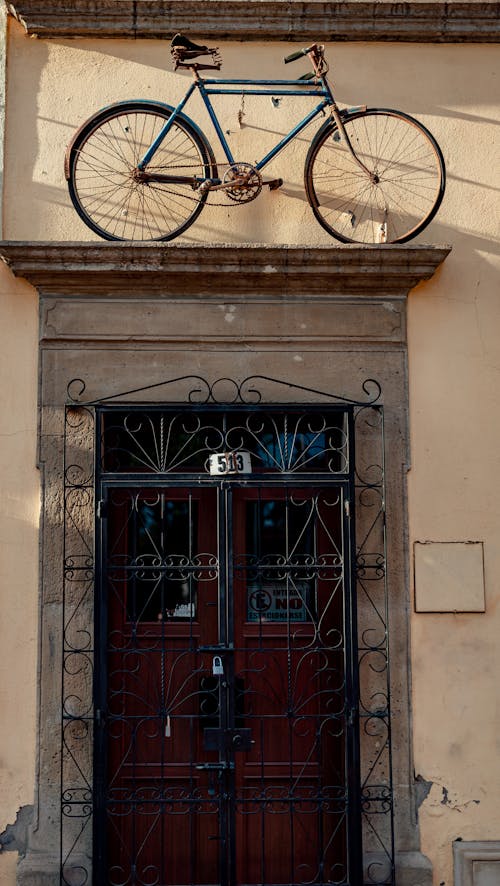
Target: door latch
[
  {"x": 215, "y": 767},
  {"x": 225, "y": 740}
]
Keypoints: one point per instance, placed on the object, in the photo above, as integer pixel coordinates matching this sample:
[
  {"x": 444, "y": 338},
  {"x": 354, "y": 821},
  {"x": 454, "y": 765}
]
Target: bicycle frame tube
[
  {"x": 291, "y": 135},
  {"x": 281, "y": 88},
  {"x": 205, "y": 93},
  {"x": 148, "y": 156}
]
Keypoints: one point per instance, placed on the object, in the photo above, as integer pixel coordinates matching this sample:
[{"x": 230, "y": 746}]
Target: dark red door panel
[{"x": 226, "y": 678}]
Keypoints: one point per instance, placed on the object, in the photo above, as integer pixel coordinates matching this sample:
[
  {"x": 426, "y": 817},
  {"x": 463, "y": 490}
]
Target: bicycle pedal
[{"x": 274, "y": 184}]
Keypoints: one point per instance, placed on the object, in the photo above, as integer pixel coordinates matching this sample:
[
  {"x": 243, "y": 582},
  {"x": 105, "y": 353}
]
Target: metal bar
[
  {"x": 291, "y": 135},
  {"x": 387, "y": 648},
  {"x": 148, "y": 156},
  {"x": 354, "y": 833},
  {"x": 240, "y": 407},
  {"x": 273, "y": 481},
  {"x": 99, "y": 681},
  {"x": 274, "y": 92},
  {"x": 214, "y": 81},
  {"x": 230, "y": 680},
  {"x": 215, "y": 122},
  {"x": 63, "y": 671},
  {"x": 226, "y": 787},
  {"x": 191, "y": 180}
]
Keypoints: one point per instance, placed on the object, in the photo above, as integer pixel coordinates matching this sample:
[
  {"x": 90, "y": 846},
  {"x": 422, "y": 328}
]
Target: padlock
[{"x": 217, "y": 667}]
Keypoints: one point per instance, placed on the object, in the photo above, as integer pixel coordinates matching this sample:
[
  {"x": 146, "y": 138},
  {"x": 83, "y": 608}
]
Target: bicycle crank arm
[{"x": 211, "y": 184}]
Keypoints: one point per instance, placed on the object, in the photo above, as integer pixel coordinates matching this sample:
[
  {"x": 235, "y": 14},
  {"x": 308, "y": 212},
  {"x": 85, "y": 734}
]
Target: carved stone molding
[
  {"x": 108, "y": 268},
  {"x": 413, "y": 21},
  {"x": 476, "y": 863},
  {"x": 123, "y": 318}
]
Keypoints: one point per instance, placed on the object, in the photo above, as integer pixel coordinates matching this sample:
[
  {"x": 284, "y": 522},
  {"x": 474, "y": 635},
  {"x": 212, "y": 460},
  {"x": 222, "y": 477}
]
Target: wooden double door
[{"x": 227, "y": 750}]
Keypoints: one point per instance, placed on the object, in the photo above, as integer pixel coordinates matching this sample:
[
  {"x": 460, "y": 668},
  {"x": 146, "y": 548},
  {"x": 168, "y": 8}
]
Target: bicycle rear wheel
[
  {"x": 101, "y": 169},
  {"x": 404, "y": 193}
]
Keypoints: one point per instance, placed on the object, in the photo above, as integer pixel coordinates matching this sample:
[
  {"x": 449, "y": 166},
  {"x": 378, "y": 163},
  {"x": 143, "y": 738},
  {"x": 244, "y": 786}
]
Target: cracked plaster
[{"x": 14, "y": 837}]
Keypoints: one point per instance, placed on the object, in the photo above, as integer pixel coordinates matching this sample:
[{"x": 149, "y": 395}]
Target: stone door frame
[{"x": 124, "y": 316}]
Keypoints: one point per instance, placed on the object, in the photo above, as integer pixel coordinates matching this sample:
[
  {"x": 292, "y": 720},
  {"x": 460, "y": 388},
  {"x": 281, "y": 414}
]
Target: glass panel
[
  {"x": 162, "y": 586},
  {"x": 154, "y": 554},
  {"x": 279, "y": 545}
]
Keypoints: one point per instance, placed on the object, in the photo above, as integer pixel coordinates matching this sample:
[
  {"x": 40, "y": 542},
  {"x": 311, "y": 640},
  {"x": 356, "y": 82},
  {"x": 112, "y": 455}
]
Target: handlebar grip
[{"x": 295, "y": 55}]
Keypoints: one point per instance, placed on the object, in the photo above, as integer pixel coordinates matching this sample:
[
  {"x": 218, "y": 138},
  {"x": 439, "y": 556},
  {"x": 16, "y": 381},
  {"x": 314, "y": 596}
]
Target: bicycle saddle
[{"x": 182, "y": 48}]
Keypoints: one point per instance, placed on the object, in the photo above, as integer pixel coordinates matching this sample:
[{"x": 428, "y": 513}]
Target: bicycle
[{"x": 143, "y": 170}]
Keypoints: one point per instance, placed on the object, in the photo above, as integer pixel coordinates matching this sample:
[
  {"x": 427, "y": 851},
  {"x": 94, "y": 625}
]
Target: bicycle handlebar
[{"x": 296, "y": 55}]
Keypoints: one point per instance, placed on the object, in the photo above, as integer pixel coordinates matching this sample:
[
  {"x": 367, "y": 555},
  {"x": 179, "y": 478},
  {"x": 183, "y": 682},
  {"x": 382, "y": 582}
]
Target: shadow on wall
[
  {"x": 372, "y": 73},
  {"x": 259, "y": 215},
  {"x": 36, "y": 197}
]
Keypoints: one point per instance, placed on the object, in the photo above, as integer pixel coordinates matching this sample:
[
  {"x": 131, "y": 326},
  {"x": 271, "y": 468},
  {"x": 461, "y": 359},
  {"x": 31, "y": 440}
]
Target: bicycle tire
[
  {"x": 103, "y": 155},
  {"x": 404, "y": 156}
]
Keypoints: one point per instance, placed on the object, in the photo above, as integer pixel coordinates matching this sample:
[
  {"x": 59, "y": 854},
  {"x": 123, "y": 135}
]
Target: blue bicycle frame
[
  {"x": 294, "y": 87},
  {"x": 366, "y": 171}
]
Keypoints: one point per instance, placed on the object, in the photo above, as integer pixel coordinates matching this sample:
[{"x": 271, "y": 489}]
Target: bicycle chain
[{"x": 208, "y": 202}]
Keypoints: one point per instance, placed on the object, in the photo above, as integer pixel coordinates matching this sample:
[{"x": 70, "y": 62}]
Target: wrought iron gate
[{"x": 226, "y": 708}]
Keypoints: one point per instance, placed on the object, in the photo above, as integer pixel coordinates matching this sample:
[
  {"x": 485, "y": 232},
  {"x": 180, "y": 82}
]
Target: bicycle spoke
[
  {"x": 106, "y": 186},
  {"x": 403, "y": 192}
]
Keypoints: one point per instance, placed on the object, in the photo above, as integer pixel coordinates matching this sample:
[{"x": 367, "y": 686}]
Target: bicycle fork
[
  {"x": 373, "y": 177},
  {"x": 342, "y": 131}
]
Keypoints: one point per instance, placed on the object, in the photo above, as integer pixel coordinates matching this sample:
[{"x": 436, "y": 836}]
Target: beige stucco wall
[
  {"x": 453, "y": 351},
  {"x": 19, "y": 514}
]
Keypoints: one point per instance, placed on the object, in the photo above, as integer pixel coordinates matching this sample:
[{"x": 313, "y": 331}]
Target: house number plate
[{"x": 230, "y": 463}]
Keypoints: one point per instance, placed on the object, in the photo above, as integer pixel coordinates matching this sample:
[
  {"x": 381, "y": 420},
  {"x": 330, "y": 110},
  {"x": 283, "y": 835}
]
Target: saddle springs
[{"x": 184, "y": 51}]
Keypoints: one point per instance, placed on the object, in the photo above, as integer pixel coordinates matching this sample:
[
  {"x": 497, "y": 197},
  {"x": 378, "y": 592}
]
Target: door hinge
[{"x": 102, "y": 509}]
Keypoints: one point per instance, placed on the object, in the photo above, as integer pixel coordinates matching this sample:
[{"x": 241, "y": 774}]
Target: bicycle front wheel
[
  {"x": 106, "y": 190},
  {"x": 399, "y": 195}
]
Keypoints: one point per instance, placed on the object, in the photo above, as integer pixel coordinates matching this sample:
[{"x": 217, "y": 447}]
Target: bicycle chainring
[{"x": 246, "y": 190}]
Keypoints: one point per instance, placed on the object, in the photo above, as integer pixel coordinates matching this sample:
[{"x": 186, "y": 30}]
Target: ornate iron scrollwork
[{"x": 288, "y": 440}]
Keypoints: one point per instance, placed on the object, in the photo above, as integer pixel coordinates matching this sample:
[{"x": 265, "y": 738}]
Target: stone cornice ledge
[
  {"x": 415, "y": 20},
  {"x": 137, "y": 269}
]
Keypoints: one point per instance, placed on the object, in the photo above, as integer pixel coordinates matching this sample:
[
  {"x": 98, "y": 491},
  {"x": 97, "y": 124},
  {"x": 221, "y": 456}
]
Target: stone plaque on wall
[{"x": 449, "y": 576}]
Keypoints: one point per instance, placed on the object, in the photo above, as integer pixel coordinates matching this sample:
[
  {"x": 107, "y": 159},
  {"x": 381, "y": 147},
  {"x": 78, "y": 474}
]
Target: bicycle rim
[
  {"x": 103, "y": 158},
  {"x": 404, "y": 157}
]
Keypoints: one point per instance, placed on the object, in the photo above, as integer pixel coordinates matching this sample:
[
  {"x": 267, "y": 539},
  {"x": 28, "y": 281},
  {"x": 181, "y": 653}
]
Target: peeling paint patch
[
  {"x": 14, "y": 837},
  {"x": 422, "y": 789},
  {"x": 455, "y": 804},
  {"x": 439, "y": 796},
  {"x": 270, "y": 269}
]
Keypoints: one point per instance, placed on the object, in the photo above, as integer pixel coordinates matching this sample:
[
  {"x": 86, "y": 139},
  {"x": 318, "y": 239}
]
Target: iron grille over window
[{"x": 160, "y": 441}]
